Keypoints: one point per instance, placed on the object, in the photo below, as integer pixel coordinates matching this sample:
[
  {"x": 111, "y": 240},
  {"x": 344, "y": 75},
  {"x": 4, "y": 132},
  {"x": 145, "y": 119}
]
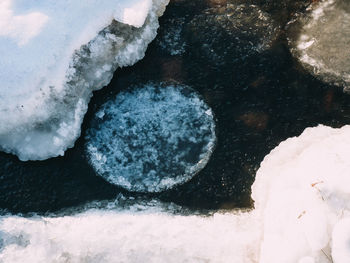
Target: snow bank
[
  {"x": 302, "y": 190},
  {"x": 128, "y": 236},
  {"x": 152, "y": 137},
  {"x": 321, "y": 41},
  {"x": 302, "y": 215},
  {"x": 53, "y": 55}
]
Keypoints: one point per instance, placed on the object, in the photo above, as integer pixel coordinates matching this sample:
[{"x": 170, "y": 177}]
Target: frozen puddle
[
  {"x": 321, "y": 41},
  {"x": 151, "y": 138},
  {"x": 53, "y": 55},
  {"x": 302, "y": 215}
]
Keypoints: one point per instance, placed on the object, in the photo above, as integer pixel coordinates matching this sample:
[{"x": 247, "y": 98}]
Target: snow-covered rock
[
  {"x": 53, "y": 55},
  {"x": 302, "y": 190},
  {"x": 341, "y": 241}
]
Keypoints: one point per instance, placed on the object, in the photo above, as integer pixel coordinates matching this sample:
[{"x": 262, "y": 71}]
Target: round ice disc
[
  {"x": 320, "y": 40},
  {"x": 151, "y": 138},
  {"x": 229, "y": 35}
]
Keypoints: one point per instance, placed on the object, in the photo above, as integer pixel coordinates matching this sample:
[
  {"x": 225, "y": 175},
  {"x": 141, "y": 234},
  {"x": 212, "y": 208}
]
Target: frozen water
[
  {"x": 302, "y": 214},
  {"x": 171, "y": 40},
  {"x": 231, "y": 34},
  {"x": 54, "y": 54},
  {"x": 151, "y": 138},
  {"x": 128, "y": 236},
  {"x": 320, "y": 40}
]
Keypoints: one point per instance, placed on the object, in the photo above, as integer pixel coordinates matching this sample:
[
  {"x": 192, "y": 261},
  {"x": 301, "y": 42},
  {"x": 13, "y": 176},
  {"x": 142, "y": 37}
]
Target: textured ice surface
[
  {"x": 321, "y": 42},
  {"x": 53, "y": 55},
  {"x": 151, "y": 138},
  {"x": 302, "y": 215},
  {"x": 231, "y": 34},
  {"x": 171, "y": 40}
]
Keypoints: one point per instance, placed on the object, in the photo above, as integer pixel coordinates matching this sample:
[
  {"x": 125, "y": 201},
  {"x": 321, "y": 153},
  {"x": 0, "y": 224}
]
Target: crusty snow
[
  {"x": 302, "y": 190},
  {"x": 53, "y": 55},
  {"x": 301, "y": 215},
  {"x": 127, "y": 236}
]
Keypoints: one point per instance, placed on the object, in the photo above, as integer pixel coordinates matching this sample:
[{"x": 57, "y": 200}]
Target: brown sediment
[{"x": 256, "y": 120}]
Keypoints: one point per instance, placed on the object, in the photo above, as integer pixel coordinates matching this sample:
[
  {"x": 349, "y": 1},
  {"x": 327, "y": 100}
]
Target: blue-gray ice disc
[{"x": 151, "y": 138}]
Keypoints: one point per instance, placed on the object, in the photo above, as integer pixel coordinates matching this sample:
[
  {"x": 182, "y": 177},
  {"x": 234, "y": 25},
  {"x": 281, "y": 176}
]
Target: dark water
[{"x": 259, "y": 98}]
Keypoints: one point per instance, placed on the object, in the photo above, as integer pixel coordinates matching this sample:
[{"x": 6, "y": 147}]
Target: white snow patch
[
  {"x": 20, "y": 28},
  {"x": 302, "y": 190},
  {"x": 133, "y": 12},
  {"x": 129, "y": 236},
  {"x": 341, "y": 241},
  {"x": 53, "y": 55}
]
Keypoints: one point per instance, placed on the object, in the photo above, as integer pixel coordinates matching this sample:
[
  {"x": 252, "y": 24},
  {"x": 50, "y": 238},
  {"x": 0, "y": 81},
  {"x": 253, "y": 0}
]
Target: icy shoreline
[
  {"x": 48, "y": 72},
  {"x": 301, "y": 211},
  {"x": 301, "y": 215}
]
